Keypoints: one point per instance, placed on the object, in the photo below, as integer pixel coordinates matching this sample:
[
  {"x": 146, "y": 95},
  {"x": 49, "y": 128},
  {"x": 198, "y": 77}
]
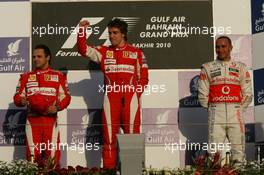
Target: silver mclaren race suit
[{"x": 225, "y": 89}]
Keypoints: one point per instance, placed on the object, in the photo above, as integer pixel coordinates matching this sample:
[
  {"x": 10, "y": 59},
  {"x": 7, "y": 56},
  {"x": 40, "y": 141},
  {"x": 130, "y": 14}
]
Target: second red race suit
[
  {"x": 42, "y": 88},
  {"x": 125, "y": 75}
]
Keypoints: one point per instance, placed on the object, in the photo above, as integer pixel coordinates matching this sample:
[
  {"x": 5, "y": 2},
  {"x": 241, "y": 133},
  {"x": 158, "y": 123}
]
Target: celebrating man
[
  {"x": 125, "y": 67},
  {"x": 225, "y": 89},
  {"x": 44, "y": 92}
]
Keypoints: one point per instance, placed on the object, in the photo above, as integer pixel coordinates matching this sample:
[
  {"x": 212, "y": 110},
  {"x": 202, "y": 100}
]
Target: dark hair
[
  {"x": 120, "y": 24},
  {"x": 46, "y": 49},
  {"x": 225, "y": 37}
]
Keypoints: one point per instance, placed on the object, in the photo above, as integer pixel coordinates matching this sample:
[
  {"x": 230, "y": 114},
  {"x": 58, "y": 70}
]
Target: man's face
[
  {"x": 223, "y": 49},
  {"x": 40, "y": 60},
  {"x": 115, "y": 36}
]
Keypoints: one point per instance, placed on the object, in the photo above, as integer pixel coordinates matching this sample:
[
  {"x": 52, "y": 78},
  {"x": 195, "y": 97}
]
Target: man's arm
[
  {"x": 203, "y": 88},
  {"x": 20, "y": 95},
  {"x": 142, "y": 70},
  {"x": 64, "y": 97},
  {"x": 83, "y": 48},
  {"x": 246, "y": 88}
]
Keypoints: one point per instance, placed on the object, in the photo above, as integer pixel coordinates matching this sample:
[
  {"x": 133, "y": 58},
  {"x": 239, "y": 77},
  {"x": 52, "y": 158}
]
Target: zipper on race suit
[{"x": 225, "y": 65}]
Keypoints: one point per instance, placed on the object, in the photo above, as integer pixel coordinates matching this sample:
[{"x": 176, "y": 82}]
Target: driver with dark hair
[
  {"x": 44, "y": 92},
  {"x": 124, "y": 66}
]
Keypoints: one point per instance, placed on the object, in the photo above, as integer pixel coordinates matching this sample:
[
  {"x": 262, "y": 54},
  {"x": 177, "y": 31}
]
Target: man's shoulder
[
  {"x": 134, "y": 48},
  {"x": 239, "y": 63},
  {"x": 102, "y": 48},
  {"x": 210, "y": 63},
  {"x": 56, "y": 72},
  {"x": 26, "y": 74}
]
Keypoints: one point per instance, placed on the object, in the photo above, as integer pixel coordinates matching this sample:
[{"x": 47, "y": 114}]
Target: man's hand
[
  {"x": 84, "y": 24},
  {"x": 52, "y": 109},
  {"x": 24, "y": 101}
]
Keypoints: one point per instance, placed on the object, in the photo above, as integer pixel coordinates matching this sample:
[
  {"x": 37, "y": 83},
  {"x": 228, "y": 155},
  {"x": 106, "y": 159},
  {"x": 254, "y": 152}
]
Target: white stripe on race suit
[
  {"x": 54, "y": 139},
  {"x": 30, "y": 138},
  {"x": 61, "y": 93},
  {"x": 107, "y": 111},
  {"x": 133, "y": 111},
  {"x": 144, "y": 65},
  {"x": 93, "y": 54}
]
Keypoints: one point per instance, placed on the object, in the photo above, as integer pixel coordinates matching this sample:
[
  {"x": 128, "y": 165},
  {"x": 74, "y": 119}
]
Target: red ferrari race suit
[
  {"x": 225, "y": 89},
  {"x": 125, "y": 75},
  {"x": 41, "y": 127}
]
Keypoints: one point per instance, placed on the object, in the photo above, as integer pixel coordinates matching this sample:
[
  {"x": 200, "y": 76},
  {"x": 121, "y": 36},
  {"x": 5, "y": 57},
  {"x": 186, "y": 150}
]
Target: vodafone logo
[
  {"x": 226, "y": 99},
  {"x": 225, "y": 94},
  {"x": 225, "y": 90}
]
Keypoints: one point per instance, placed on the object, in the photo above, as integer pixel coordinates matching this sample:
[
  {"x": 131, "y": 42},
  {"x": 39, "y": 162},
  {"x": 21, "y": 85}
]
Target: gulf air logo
[
  {"x": 162, "y": 119},
  {"x": 13, "y": 48}
]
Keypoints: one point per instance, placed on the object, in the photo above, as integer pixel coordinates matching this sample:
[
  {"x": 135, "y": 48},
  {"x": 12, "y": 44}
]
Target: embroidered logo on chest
[
  {"x": 109, "y": 54},
  {"x": 53, "y": 78},
  {"x": 128, "y": 54},
  {"x": 32, "y": 77}
]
